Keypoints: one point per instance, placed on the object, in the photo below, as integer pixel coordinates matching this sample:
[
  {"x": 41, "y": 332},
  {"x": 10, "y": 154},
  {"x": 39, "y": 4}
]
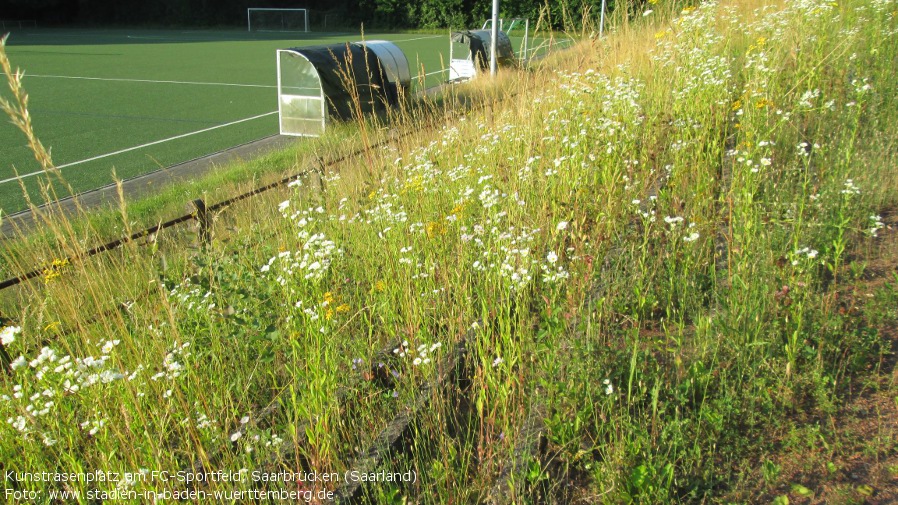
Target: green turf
[
  {"x": 81, "y": 118},
  {"x": 123, "y": 104}
]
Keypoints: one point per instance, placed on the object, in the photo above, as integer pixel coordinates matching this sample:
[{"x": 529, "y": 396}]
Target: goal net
[{"x": 277, "y": 20}]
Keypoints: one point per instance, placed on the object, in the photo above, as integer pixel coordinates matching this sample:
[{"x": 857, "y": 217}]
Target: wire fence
[{"x": 202, "y": 211}]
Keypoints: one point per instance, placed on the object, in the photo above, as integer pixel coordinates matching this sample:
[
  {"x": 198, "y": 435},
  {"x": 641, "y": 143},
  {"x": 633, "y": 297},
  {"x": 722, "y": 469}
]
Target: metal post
[
  {"x": 5, "y": 360},
  {"x": 494, "y": 37},
  {"x": 451, "y": 56},
  {"x": 526, "y": 36},
  {"x": 202, "y": 218},
  {"x": 602, "y": 20}
]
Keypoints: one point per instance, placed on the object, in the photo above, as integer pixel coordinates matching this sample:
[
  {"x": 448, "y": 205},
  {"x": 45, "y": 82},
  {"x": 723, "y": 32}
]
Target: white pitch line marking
[
  {"x": 141, "y": 37},
  {"x": 152, "y": 81},
  {"x": 431, "y": 73},
  {"x": 419, "y": 38},
  {"x": 204, "y": 130}
]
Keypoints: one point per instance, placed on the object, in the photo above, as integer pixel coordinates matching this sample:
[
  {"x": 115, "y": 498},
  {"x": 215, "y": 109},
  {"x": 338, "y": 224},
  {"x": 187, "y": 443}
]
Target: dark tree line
[{"x": 375, "y": 14}]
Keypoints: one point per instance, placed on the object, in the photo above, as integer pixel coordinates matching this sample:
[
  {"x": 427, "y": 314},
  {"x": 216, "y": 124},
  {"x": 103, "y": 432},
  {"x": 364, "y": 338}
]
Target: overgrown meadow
[{"x": 644, "y": 252}]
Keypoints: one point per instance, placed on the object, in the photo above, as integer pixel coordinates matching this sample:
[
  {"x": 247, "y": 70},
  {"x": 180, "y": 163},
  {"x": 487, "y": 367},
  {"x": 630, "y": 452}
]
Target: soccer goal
[{"x": 277, "y": 20}]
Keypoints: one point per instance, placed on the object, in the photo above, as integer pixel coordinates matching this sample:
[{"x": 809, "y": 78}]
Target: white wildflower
[
  {"x": 8, "y": 334},
  {"x": 609, "y": 388},
  {"x": 18, "y": 363}
]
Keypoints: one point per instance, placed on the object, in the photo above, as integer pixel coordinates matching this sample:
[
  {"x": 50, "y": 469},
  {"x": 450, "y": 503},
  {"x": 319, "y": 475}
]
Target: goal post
[{"x": 277, "y": 20}]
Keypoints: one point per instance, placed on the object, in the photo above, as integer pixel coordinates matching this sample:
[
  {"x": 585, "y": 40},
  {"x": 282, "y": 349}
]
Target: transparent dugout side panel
[{"x": 301, "y": 104}]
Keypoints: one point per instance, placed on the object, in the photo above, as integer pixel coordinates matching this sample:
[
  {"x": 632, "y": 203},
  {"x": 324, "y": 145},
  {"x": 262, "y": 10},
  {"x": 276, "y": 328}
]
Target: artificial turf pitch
[{"x": 134, "y": 101}]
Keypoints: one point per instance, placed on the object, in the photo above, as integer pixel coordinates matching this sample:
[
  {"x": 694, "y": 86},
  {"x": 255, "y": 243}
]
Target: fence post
[
  {"x": 202, "y": 218},
  {"x": 5, "y": 360},
  {"x": 321, "y": 169}
]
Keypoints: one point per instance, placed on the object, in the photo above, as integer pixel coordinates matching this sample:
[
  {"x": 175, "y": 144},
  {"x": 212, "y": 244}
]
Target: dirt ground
[{"x": 853, "y": 457}]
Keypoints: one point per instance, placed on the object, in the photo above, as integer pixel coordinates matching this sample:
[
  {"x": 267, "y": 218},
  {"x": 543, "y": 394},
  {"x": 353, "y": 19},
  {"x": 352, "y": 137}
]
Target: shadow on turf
[{"x": 93, "y": 36}]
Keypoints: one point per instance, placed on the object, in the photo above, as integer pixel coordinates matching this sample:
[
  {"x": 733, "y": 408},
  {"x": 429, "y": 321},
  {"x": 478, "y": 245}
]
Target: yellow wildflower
[
  {"x": 414, "y": 184},
  {"x": 49, "y": 275},
  {"x": 54, "y": 270},
  {"x": 434, "y": 229}
]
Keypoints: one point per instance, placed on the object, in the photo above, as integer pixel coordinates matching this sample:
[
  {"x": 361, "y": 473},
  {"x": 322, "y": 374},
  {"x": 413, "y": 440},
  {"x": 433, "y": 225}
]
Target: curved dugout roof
[
  {"x": 479, "y": 42},
  {"x": 392, "y": 59},
  {"x": 345, "y": 70}
]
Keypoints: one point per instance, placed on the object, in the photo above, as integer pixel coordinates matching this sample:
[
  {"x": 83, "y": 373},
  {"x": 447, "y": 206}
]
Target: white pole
[
  {"x": 602, "y": 20},
  {"x": 494, "y": 37},
  {"x": 280, "y": 93},
  {"x": 526, "y": 36}
]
